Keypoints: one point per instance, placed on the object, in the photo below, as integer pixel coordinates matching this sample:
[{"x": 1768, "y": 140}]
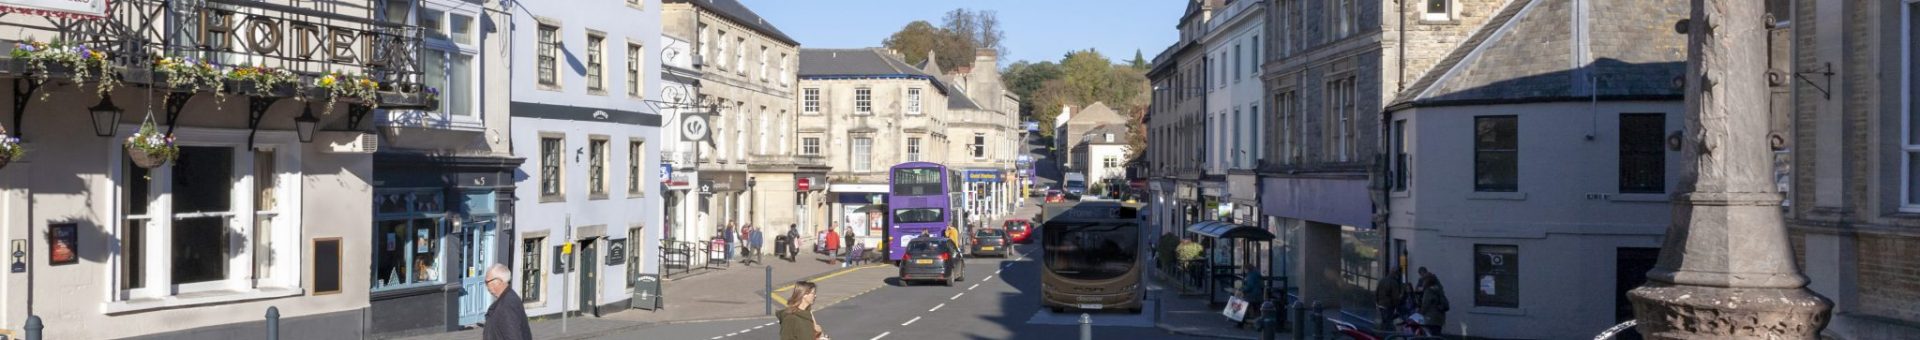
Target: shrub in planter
[
  {"x": 151, "y": 149},
  {"x": 10, "y": 149},
  {"x": 42, "y": 58},
  {"x": 188, "y": 75},
  {"x": 340, "y": 85}
]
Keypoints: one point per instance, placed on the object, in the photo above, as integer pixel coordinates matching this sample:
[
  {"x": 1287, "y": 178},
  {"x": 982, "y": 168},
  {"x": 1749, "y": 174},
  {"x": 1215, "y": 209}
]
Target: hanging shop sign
[
  {"x": 616, "y": 252},
  {"x": 56, "y": 8}
]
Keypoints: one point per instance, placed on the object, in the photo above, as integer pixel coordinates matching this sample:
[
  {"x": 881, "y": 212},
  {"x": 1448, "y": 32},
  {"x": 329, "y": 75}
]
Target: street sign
[
  {"x": 694, "y": 127},
  {"x": 616, "y": 251},
  {"x": 803, "y": 184},
  {"x": 706, "y": 187}
]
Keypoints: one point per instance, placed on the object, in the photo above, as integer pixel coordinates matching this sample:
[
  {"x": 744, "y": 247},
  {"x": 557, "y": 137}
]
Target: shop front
[
  {"x": 439, "y": 222},
  {"x": 862, "y": 209},
  {"x": 1326, "y": 226}
]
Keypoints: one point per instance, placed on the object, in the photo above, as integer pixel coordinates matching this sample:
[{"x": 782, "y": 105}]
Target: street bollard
[
  {"x": 273, "y": 323},
  {"x": 1267, "y": 320},
  {"x": 1299, "y": 320},
  {"x": 769, "y": 297},
  {"x": 1319, "y": 320},
  {"x": 34, "y": 327},
  {"x": 1086, "y": 326}
]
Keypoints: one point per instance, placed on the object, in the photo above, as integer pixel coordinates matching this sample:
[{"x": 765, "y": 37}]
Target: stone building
[
  {"x": 1076, "y": 127},
  {"x": 1228, "y": 187},
  {"x": 272, "y": 196},
  {"x": 592, "y": 147},
  {"x": 1175, "y": 123},
  {"x": 1572, "y": 157},
  {"x": 1330, "y": 67},
  {"x": 748, "y": 72},
  {"x": 985, "y": 123},
  {"x": 1854, "y": 203},
  {"x": 865, "y": 110}
]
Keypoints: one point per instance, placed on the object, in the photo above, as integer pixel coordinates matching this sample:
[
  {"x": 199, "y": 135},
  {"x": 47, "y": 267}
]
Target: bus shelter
[{"x": 1232, "y": 249}]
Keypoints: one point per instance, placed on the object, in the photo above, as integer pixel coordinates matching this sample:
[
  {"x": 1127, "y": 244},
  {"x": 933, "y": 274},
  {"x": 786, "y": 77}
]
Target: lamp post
[
  {"x": 305, "y": 124},
  {"x": 105, "y": 117},
  {"x": 753, "y": 198}
]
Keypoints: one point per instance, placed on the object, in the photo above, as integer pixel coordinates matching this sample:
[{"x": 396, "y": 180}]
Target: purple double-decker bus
[{"x": 921, "y": 198}]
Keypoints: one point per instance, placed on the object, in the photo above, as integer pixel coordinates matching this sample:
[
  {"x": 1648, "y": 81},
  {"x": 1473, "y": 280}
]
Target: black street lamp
[
  {"x": 753, "y": 200},
  {"x": 305, "y": 124},
  {"x": 105, "y": 117}
]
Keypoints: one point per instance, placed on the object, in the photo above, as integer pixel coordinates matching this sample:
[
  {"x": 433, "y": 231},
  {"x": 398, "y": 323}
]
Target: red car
[
  {"x": 1018, "y": 229},
  {"x": 1055, "y": 196}
]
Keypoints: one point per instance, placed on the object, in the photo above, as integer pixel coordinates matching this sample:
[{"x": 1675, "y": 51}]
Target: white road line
[
  {"x": 909, "y": 322},
  {"x": 976, "y": 285},
  {"x": 956, "y": 296},
  {"x": 717, "y": 337},
  {"x": 882, "y": 335},
  {"x": 770, "y": 323},
  {"x": 996, "y": 272},
  {"x": 758, "y": 327},
  {"x": 733, "y": 334},
  {"x": 935, "y": 308},
  {"x": 989, "y": 277}
]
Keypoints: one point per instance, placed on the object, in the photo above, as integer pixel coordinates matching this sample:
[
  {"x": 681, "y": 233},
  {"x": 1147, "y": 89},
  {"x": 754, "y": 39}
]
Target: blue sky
[{"x": 1036, "y": 29}]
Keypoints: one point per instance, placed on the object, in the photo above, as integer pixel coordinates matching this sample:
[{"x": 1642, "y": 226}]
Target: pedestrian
[
  {"x": 1387, "y": 297},
  {"x": 507, "y": 317},
  {"x": 754, "y": 240},
  {"x": 833, "y": 245},
  {"x": 846, "y": 235},
  {"x": 1433, "y": 303},
  {"x": 793, "y": 242},
  {"x": 853, "y": 254},
  {"x": 1189, "y": 252},
  {"x": 727, "y": 239},
  {"x": 796, "y": 321}
]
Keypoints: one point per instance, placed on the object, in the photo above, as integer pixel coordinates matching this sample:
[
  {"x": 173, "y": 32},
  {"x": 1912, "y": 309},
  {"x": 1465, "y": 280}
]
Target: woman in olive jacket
[{"x": 796, "y": 321}]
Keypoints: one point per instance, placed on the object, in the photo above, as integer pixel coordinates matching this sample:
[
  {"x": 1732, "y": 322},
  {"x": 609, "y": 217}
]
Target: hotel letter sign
[{"x": 269, "y": 36}]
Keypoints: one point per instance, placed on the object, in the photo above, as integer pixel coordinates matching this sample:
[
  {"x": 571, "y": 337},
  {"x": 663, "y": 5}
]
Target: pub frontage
[{"x": 177, "y": 168}]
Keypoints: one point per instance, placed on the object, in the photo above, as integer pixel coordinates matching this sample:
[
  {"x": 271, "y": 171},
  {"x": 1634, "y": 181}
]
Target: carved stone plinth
[{"x": 1668, "y": 311}]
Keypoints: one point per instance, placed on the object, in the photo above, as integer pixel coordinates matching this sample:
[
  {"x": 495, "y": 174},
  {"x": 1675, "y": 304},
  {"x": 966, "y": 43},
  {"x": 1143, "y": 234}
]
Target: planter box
[
  {"x": 408, "y": 101},
  {"x": 20, "y": 67},
  {"x": 249, "y": 88}
]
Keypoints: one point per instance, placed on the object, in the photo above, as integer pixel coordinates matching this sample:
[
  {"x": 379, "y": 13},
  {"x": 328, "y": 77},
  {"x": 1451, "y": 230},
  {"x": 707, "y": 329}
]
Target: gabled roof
[
  {"x": 740, "y": 14},
  {"x": 1098, "y": 113},
  {"x": 819, "y": 62},
  {"x": 1119, "y": 132},
  {"x": 1559, "y": 50}
]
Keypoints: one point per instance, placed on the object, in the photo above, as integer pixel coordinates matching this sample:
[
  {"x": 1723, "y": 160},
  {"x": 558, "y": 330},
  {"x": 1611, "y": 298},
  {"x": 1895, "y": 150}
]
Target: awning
[{"x": 1224, "y": 230}]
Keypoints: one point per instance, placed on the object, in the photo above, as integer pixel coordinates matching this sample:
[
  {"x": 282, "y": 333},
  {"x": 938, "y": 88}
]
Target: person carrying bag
[{"x": 796, "y": 321}]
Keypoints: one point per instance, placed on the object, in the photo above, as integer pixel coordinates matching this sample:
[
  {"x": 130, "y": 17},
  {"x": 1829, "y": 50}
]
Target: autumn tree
[{"x": 919, "y": 37}]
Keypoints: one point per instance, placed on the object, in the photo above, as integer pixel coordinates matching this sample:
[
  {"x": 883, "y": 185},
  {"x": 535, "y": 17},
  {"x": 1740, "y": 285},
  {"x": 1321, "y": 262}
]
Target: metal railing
[{"x": 682, "y": 257}]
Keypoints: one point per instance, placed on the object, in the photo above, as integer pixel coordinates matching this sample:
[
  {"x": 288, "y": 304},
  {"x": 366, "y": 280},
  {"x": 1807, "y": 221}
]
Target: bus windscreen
[
  {"x": 917, "y": 182},
  {"x": 1090, "y": 251},
  {"x": 917, "y": 215}
]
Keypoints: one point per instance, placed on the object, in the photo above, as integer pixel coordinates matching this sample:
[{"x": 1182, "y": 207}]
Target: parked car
[
  {"x": 932, "y": 259},
  {"x": 990, "y": 242},
  {"x": 1018, "y": 229}
]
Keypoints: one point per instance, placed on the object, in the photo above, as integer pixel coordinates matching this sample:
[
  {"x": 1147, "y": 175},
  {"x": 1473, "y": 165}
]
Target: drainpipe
[{"x": 1401, "y": 83}]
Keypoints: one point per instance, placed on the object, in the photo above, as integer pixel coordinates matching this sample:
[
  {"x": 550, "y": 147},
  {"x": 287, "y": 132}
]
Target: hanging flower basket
[
  {"x": 10, "y": 149},
  {"x": 151, "y": 149}
]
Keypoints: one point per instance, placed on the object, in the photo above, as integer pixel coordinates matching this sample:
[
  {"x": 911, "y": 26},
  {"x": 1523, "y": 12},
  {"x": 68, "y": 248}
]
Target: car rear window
[
  {"x": 988, "y": 233},
  {"x": 924, "y": 247}
]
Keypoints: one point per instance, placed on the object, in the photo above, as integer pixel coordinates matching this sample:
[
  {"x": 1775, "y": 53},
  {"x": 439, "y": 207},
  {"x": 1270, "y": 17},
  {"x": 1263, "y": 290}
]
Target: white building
[
  {"x": 1234, "y": 95},
  {"x": 1102, "y": 153},
  {"x": 583, "y": 73},
  {"x": 1537, "y": 192},
  {"x": 679, "y": 84}
]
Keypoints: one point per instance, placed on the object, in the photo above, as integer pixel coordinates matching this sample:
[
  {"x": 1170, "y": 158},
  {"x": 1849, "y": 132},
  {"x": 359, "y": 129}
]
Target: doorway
[
  {"x": 1631, "y": 266},
  {"x": 589, "y": 278}
]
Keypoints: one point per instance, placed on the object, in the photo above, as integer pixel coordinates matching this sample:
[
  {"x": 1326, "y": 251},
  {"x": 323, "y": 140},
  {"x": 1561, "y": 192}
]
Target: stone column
[{"x": 1726, "y": 269}]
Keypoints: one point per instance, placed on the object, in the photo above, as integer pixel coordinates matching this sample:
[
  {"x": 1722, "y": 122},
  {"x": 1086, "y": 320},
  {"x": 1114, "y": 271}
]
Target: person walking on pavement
[
  {"x": 796, "y": 321},
  {"x": 846, "y": 238},
  {"x": 1387, "y": 297},
  {"x": 1433, "y": 303},
  {"x": 793, "y": 242},
  {"x": 726, "y": 239},
  {"x": 853, "y": 252},
  {"x": 754, "y": 240},
  {"x": 506, "y": 318},
  {"x": 833, "y": 245}
]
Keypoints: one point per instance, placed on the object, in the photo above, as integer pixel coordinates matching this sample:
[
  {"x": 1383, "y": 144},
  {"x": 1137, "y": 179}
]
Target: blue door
[{"x": 477, "y": 254}]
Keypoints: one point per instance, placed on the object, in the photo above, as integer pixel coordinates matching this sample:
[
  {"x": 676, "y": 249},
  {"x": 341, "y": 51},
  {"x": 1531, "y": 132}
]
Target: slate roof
[
  {"x": 854, "y": 62},
  {"x": 1532, "y": 51},
  {"x": 959, "y": 99},
  {"x": 1098, "y": 113},
  {"x": 740, "y": 14},
  {"x": 1119, "y": 132}
]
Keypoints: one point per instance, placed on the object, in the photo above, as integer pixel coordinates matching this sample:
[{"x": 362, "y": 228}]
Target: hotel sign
[
  {"x": 267, "y": 35},
  {"x": 62, "y": 8}
]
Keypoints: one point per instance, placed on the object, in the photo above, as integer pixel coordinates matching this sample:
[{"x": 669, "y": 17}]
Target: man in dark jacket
[
  {"x": 1433, "y": 302},
  {"x": 506, "y": 318}
]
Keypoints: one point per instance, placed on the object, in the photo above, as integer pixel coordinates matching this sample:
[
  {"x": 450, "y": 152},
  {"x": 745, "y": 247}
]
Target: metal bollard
[
  {"x": 1086, "y": 326},
  {"x": 1319, "y": 320},
  {"x": 34, "y": 327},
  {"x": 273, "y": 323},
  {"x": 1267, "y": 320},
  {"x": 1299, "y": 321},
  {"x": 769, "y": 297}
]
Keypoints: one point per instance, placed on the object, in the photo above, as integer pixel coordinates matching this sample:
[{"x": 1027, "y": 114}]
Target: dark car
[
  {"x": 1018, "y": 229},
  {"x": 990, "y": 242},
  {"x": 932, "y": 258}
]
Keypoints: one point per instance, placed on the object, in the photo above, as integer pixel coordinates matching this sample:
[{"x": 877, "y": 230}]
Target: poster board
[
  {"x": 1236, "y": 309},
  {"x": 326, "y": 266}
]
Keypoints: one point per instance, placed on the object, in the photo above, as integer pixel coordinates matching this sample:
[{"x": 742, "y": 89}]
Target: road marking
[
  {"x": 757, "y": 328},
  {"x": 976, "y": 285},
  {"x": 733, "y": 334},
  {"x": 882, "y": 335},
  {"x": 769, "y": 324},
  {"x": 956, "y": 296},
  {"x": 935, "y": 308},
  {"x": 717, "y": 337},
  {"x": 783, "y": 301},
  {"x": 909, "y": 322},
  {"x": 990, "y": 277},
  {"x": 996, "y": 272}
]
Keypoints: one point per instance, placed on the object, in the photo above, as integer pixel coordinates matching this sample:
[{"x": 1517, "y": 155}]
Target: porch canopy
[{"x": 1222, "y": 270}]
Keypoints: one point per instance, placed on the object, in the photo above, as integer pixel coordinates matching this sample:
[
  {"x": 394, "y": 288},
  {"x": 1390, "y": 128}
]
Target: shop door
[
  {"x": 589, "y": 278},
  {"x": 476, "y": 253}
]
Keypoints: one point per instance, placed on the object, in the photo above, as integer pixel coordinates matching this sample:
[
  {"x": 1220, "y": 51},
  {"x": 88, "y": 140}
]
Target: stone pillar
[{"x": 1726, "y": 269}]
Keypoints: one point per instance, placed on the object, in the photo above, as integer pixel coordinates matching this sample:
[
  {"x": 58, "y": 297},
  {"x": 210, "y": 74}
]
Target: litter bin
[{"x": 646, "y": 292}]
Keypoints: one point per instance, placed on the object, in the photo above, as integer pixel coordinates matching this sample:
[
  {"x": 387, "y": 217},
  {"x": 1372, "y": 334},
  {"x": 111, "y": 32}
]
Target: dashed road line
[
  {"x": 717, "y": 337},
  {"x": 882, "y": 335},
  {"x": 956, "y": 296},
  {"x": 733, "y": 334},
  {"x": 758, "y": 327},
  {"x": 769, "y": 324},
  {"x": 976, "y": 285},
  {"x": 990, "y": 277},
  {"x": 935, "y": 308},
  {"x": 909, "y": 322}
]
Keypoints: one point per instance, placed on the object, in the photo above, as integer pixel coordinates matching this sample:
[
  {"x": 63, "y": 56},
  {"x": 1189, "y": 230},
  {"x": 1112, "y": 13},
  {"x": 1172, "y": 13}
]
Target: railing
[{"x": 681, "y": 257}]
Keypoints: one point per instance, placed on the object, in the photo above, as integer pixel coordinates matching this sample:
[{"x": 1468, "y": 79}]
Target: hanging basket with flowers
[
  {"x": 185, "y": 74},
  {"x": 10, "y": 149},
  {"x": 261, "y": 80},
  {"x": 151, "y": 149},
  {"x": 76, "y": 61},
  {"x": 336, "y": 85}
]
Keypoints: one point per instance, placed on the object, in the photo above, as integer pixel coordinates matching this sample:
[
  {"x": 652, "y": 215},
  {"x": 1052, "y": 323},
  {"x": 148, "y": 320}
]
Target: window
[
  {"x": 1400, "y": 159},
  {"x": 786, "y": 78},
  {"x": 763, "y": 64},
  {"x": 210, "y": 222},
  {"x": 1340, "y": 104},
  {"x": 531, "y": 277},
  {"x": 1437, "y": 10},
  {"x": 1237, "y": 138},
  {"x": 913, "y": 149},
  {"x": 1253, "y": 64},
  {"x": 1910, "y": 141},
  {"x": 635, "y": 85},
  {"x": 1643, "y": 156},
  {"x": 1496, "y": 151},
  {"x": 740, "y": 56},
  {"x": 265, "y": 205},
  {"x": 862, "y": 154},
  {"x": 1287, "y": 104},
  {"x": 1110, "y": 162},
  {"x": 917, "y": 181},
  {"x": 635, "y": 240},
  {"x": 810, "y": 146},
  {"x": 863, "y": 101},
  {"x": 406, "y": 232},
  {"x": 636, "y": 154},
  {"x": 550, "y": 157},
  {"x": 913, "y": 101},
  {"x": 596, "y": 63},
  {"x": 1345, "y": 19},
  {"x": 446, "y": 61},
  {"x": 133, "y": 233},
  {"x": 979, "y": 146},
  {"x": 1236, "y": 64},
  {"x": 549, "y": 55},
  {"x": 1496, "y": 276},
  {"x": 705, "y": 48},
  {"x": 810, "y": 101},
  {"x": 720, "y": 54}
]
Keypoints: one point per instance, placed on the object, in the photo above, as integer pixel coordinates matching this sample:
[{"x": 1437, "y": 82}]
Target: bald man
[{"x": 506, "y": 319}]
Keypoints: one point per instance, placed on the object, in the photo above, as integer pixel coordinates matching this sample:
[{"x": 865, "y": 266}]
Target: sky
[{"x": 1035, "y": 29}]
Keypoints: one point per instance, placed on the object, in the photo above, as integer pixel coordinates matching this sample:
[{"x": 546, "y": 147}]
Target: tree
[
  {"x": 1139, "y": 61},
  {"x": 1088, "y": 75},
  {"x": 1024, "y": 78},
  {"x": 1047, "y": 101},
  {"x": 918, "y": 37}
]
